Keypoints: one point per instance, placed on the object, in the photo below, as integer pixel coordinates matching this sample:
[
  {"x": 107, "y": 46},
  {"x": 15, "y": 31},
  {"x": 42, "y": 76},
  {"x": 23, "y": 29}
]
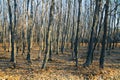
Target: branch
[{"x": 115, "y": 8}]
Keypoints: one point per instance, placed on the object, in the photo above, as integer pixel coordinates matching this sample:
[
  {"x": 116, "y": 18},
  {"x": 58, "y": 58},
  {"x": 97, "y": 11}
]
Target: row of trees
[{"x": 54, "y": 23}]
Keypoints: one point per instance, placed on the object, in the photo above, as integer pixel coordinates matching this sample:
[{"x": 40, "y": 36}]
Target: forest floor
[{"x": 60, "y": 68}]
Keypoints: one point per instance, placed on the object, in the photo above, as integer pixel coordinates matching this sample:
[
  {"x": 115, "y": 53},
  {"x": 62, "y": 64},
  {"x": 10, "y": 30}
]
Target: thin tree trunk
[
  {"x": 76, "y": 38},
  {"x": 72, "y": 38},
  {"x": 48, "y": 35},
  {"x": 23, "y": 42}
]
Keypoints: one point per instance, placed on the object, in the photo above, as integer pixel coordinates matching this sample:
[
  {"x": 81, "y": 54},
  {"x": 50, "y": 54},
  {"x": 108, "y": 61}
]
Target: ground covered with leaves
[{"x": 60, "y": 68}]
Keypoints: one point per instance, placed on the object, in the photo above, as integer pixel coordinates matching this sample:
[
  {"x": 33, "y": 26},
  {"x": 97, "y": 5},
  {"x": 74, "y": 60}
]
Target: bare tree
[
  {"x": 104, "y": 35},
  {"x": 73, "y": 31},
  {"x": 12, "y": 29},
  {"x": 48, "y": 35},
  {"x": 94, "y": 24},
  {"x": 76, "y": 38}
]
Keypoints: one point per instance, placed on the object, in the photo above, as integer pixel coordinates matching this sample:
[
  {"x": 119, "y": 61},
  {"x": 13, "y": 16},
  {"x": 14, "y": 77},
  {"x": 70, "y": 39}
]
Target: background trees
[{"x": 60, "y": 25}]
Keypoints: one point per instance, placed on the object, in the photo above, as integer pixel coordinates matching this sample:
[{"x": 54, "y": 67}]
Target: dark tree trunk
[
  {"x": 23, "y": 42},
  {"x": 104, "y": 35},
  {"x": 62, "y": 44},
  {"x": 90, "y": 46},
  {"x": 12, "y": 28},
  {"x": 12, "y": 33},
  {"x": 28, "y": 4},
  {"x": 29, "y": 44},
  {"x": 76, "y": 38},
  {"x": 50, "y": 52},
  {"x": 31, "y": 11},
  {"x": 72, "y": 37},
  {"x": 97, "y": 38}
]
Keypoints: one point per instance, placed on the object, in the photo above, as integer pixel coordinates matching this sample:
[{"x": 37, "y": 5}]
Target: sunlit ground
[{"x": 61, "y": 67}]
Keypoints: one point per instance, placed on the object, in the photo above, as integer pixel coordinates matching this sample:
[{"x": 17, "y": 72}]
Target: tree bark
[
  {"x": 90, "y": 45},
  {"x": 104, "y": 35},
  {"x": 76, "y": 38},
  {"x": 48, "y": 35}
]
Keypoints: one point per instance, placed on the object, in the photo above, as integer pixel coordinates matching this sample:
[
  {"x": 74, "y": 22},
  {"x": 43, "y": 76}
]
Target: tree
[
  {"x": 12, "y": 29},
  {"x": 76, "y": 38},
  {"x": 104, "y": 34},
  {"x": 48, "y": 35},
  {"x": 89, "y": 58},
  {"x": 72, "y": 37},
  {"x": 58, "y": 27},
  {"x": 3, "y": 26}
]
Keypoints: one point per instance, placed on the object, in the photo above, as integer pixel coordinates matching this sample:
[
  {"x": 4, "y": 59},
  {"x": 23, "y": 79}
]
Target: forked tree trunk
[
  {"x": 98, "y": 35},
  {"x": 90, "y": 45}
]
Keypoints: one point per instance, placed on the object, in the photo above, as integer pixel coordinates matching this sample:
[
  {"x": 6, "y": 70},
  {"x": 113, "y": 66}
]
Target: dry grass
[{"x": 60, "y": 68}]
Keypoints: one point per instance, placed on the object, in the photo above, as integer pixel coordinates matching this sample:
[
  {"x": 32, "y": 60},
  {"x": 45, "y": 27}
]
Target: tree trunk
[
  {"x": 104, "y": 35},
  {"x": 29, "y": 44},
  {"x": 48, "y": 35},
  {"x": 72, "y": 37},
  {"x": 90, "y": 46},
  {"x": 23, "y": 42},
  {"x": 76, "y": 38}
]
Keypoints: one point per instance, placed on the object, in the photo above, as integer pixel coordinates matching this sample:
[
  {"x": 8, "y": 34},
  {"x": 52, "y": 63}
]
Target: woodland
[{"x": 59, "y": 39}]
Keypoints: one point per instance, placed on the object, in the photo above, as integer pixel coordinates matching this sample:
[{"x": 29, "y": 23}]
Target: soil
[{"x": 60, "y": 68}]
